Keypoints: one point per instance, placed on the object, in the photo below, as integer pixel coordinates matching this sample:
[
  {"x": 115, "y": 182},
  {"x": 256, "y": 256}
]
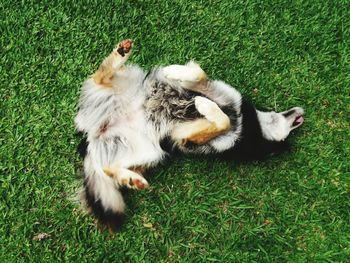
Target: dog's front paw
[
  {"x": 124, "y": 47},
  {"x": 206, "y": 107},
  {"x": 212, "y": 112}
]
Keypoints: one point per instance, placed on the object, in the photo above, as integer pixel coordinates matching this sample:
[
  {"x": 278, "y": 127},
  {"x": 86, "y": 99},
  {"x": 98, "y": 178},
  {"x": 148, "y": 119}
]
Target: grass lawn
[{"x": 291, "y": 208}]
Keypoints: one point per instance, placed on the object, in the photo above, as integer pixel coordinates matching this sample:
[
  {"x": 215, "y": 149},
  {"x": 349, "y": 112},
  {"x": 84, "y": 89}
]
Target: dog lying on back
[{"x": 126, "y": 114}]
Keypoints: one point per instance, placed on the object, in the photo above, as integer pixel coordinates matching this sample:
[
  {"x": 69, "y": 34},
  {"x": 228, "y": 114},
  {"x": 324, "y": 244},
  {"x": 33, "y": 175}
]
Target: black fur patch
[
  {"x": 288, "y": 113},
  {"x": 120, "y": 50},
  {"x": 82, "y": 146},
  {"x": 252, "y": 145},
  {"x": 167, "y": 144},
  {"x": 230, "y": 111}
]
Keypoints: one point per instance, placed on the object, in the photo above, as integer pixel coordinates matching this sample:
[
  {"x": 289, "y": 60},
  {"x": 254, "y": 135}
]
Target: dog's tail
[{"x": 101, "y": 194}]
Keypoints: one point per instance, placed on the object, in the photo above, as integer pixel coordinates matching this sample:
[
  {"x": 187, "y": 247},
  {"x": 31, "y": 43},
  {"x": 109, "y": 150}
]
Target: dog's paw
[
  {"x": 132, "y": 180},
  {"x": 212, "y": 112},
  {"x": 127, "y": 178},
  {"x": 207, "y": 108},
  {"x": 137, "y": 182},
  {"x": 124, "y": 47},
  {"x": 191, "y": 72},
  {"x": 174, "y": 72}
]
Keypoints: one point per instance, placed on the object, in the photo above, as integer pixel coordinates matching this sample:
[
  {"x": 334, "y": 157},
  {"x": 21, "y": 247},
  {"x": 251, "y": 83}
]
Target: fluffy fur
[{"x": 126, "y": 115}]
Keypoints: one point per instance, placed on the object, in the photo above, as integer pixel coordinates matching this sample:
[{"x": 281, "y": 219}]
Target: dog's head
[
  {"x": 277, "y": 126},
  {"x": 264, "y": 133}
]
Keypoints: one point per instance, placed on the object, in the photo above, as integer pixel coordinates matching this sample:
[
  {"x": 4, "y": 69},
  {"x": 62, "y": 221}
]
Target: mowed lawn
[{"x": 290, "y": 208}]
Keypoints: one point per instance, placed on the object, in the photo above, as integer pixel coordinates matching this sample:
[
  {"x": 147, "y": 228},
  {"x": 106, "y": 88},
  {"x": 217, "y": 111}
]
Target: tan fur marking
[
  {"x": 206, "y": 133},
  {"x": 204, "y": 137},
  {"x": 124, "y": 181},
  {"x": 199, "y": 131},
  {"x": 108, "y": 171},
  {"x": 104, "y": 75},
  {"x": 103, "y": 78}
]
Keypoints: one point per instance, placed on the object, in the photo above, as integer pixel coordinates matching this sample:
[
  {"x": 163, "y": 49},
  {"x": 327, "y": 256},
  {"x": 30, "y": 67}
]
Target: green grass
[{"x": 293, "y": 208}]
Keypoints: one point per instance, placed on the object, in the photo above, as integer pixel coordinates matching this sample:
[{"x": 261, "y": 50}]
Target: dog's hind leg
[
  {"x": 200, "y": 131},
  {"x": 104, "y": 75},
  {"x": 126, "y": 177}
]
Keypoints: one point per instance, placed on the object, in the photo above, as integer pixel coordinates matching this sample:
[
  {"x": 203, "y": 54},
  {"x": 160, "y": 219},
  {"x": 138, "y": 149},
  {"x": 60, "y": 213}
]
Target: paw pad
[
  {"x": 124, "y": 47},
  {"x": 139, "y": 184}
]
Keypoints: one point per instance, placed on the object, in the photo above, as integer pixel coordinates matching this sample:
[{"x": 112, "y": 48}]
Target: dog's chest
[{"x": 127, "y": 123}]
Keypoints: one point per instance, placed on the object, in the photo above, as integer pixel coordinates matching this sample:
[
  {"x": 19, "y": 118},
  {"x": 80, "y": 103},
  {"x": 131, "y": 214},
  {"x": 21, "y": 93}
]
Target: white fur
[{"x": 191, "y": 72}]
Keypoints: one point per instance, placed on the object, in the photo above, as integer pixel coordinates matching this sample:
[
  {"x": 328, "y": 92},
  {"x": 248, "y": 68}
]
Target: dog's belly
[{"x": 136, "y": 144}]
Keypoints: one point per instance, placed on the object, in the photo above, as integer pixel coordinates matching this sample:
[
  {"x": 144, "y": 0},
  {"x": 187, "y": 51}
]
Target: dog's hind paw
[
  {"x": 124, "y": 47},
  {"x": 127, "y": 178}
]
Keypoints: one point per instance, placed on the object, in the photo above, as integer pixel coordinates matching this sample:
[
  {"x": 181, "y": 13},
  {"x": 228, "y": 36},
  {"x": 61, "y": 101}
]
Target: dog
[{"x": 128, "y": 115}]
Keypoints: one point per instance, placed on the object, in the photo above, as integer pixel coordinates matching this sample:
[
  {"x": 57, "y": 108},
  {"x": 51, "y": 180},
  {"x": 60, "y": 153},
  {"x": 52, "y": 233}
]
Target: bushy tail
[{"x": 102, "y": 196}]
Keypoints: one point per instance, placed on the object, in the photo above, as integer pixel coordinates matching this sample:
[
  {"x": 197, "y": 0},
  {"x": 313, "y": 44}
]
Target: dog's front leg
[{"x": 200, "y": 131}]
